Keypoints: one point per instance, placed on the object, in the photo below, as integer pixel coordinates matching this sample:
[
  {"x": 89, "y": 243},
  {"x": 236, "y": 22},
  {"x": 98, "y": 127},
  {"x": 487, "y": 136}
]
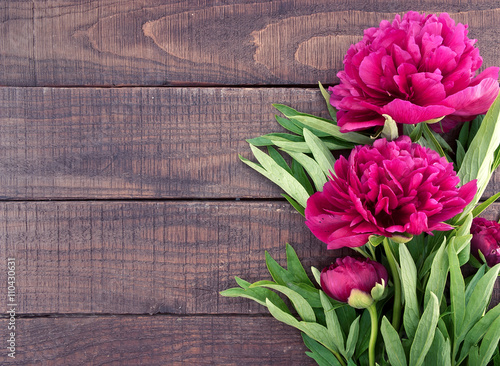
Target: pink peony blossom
[
  {"x": 486, "y": 238},
  {"x": 416, "y": 69},
  {"x": 354, "y": 281},
  {"x": 393, "y": 189}
]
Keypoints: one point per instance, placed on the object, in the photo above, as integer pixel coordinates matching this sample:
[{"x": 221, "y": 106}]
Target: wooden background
[{"x": 122, "y": 197}]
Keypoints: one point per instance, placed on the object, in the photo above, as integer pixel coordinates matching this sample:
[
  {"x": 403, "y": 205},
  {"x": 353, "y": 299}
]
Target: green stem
[
  {"x": 339, "y": 357},
  {"x": 396, "y": 310},
  {"x": 372, "y": 309}
]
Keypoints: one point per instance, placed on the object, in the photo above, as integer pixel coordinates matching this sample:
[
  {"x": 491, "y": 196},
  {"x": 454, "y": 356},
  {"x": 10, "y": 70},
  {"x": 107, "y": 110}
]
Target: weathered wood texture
[
  {"x": 149, "y": 257},
  {"x": 184, "y": 42},
  {"x": 137, "y": 142},
  {"x": 59, "y": 143},
  {"x": 155, "y": 340},
  {"x": 146, "y": 257}
]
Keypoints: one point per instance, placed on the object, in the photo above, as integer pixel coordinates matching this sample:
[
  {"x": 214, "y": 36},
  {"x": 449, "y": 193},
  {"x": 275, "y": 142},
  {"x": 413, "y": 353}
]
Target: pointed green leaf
[
  {"x": 300, "y": 304},
  {"x": 425, "y": 332},
  {"x": 409, "y": 283},
  {"x": 288, "y": 125},
  {"x": 457, "y": 289},
  {"x": 326, "y": 95},
  {"x": 317, "y": 275},
  {"x": 460, "y": 155},
  {"x": 292, "y": 113},
  {"x": 437, "y": 278},
  {"x": 319, "y": 353},
  {"x": 479, "y": 300},
  {"x": 276, "y": 156},
  {"x": 321, "y": 154},
  {"x": 295, "y": 205},
  {"x": 484, "y": 205},
  {"x": 478, "y": 331},
  {"x": 352, "y": 338},
  {"x": 295, "y": 266},
  {"x": 432, "y": 141},
  {"x": 333, "y": 130},
  {"x": 490, "y": 342},
  {"x": 440, "y": 351},
  {"x": 267, "y": 140},
  {"x": 313, "y": 169},
  {"x": 279, "y": 176},
  {"x": 416, "y": 134},
  {"x": 299, "y": 174},
  {"x": 392, "y": 344},
  {"x": 332, "y": 323},
  {"x": 473, "y": 282},
  {"x": 480, "y": 156}
]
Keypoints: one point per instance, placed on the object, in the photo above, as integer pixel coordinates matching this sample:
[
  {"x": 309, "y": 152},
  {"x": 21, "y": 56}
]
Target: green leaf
[
  {"x": 332, "y": 130},
  {"x": 364, "y": 334},
  {"x": 480, "y": 156},
  {"x": 479, "y": 300},
  {"x": 295, "y": 266},
  {"x": 326, "y": 95},
  {"x": 289, "y": 125},
  {"x": 292, "y": 113},
  {"x": 484, "y": 205},
  {"x": 460, "y": 155},
  {"x": 416, "y": 134},
  {"x": 457, "y": 289},
  {"x": 424, "y": 335},
  {"x": 276, "y": 156},
  {"x": 438, "y": 274},
  {"x": 258, "y": 295},
  {"x": 411, "y": 314},
  {"x": 321, "y": 154},
  {"x": 278, "y": 175},
  {"x": 463, "y": 137},
  {"x": 319, "y": 353},
  {"x": 352, "y": 338},
  {"x": 312, "y": 167},
  {"x": 267, "y": 140},
  {"x": 473, "y": 282},
  {"x": 375, "y": 240},
  {"x": 300, "y": 304},
  {"x": 478, "y": 331},
  {"x": 490, "y": 342},
  {"x": 317, "y": 275},
  {"x": 299, "y": 174},
  {"x": 332, "y": 324},
  {"x": 301, "y": 146},
  {"x": 432, "y": 141},
  {"x": 496, "y": 161},
  {"x": 474, "y": 128},
  {"x": 440, "y": 351},
  {"x": 295, "y": 205},
  {"x": 392, "y": 344}
]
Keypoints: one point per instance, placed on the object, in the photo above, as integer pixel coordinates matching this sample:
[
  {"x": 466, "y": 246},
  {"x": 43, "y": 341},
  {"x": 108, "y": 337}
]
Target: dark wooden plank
[
  {"x": 59, "y": 143},
  {"x": 146, "y": 257},
  {"x": 137, "y": 142},
  {"x": 65, "y": 42},
  {"x": 149, "y": 257},
  {"x": 154, "y": 340}
]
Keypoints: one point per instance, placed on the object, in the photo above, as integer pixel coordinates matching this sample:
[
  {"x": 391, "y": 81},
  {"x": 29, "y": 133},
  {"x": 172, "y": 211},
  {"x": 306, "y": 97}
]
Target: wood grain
[
  {"x": 155, "y": 340},
  {"x": 132, "y": 42},
  {"x": 91, "y": 143},
  {"x": 149, "y": 257},
  {"x": 137, "y": 142},
  {"x": 146, "y": 257}
]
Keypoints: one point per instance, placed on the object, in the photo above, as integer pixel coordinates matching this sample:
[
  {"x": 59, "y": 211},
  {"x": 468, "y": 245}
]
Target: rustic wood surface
[{"x": 122, "y": 197}]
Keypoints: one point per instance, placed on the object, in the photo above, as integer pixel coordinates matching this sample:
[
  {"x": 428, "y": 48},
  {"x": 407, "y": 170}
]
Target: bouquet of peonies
[{"x": 403, "y": 199}]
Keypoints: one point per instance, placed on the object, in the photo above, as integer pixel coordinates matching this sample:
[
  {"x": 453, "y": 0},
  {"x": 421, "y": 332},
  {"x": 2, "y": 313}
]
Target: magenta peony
[
  {"x": 486, "y": 238},
  {"x": 416, "y": 69},
  {"x": 396, "y": 188},
  {"x": 356, "y": 281}
]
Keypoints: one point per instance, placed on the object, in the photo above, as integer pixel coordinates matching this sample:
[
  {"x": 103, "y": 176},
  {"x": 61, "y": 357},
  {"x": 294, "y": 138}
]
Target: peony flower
[
  {"x": 416, "y": 69},
  {"x": 359, "y": 282},
  {"x": 486, "y": 238},
  {"x": 395, "y": 189}
]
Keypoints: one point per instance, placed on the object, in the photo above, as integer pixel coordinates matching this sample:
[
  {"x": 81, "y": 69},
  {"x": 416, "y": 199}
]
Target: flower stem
[
  {"x": 372, "y": 309},
  {"x": 396, "y": 310}
]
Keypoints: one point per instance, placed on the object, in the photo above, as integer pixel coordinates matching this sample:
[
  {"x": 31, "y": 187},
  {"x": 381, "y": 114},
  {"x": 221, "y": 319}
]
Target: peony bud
[
  {"x": 486, "y": 238},
  {"x": 358, "y": 282}
]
